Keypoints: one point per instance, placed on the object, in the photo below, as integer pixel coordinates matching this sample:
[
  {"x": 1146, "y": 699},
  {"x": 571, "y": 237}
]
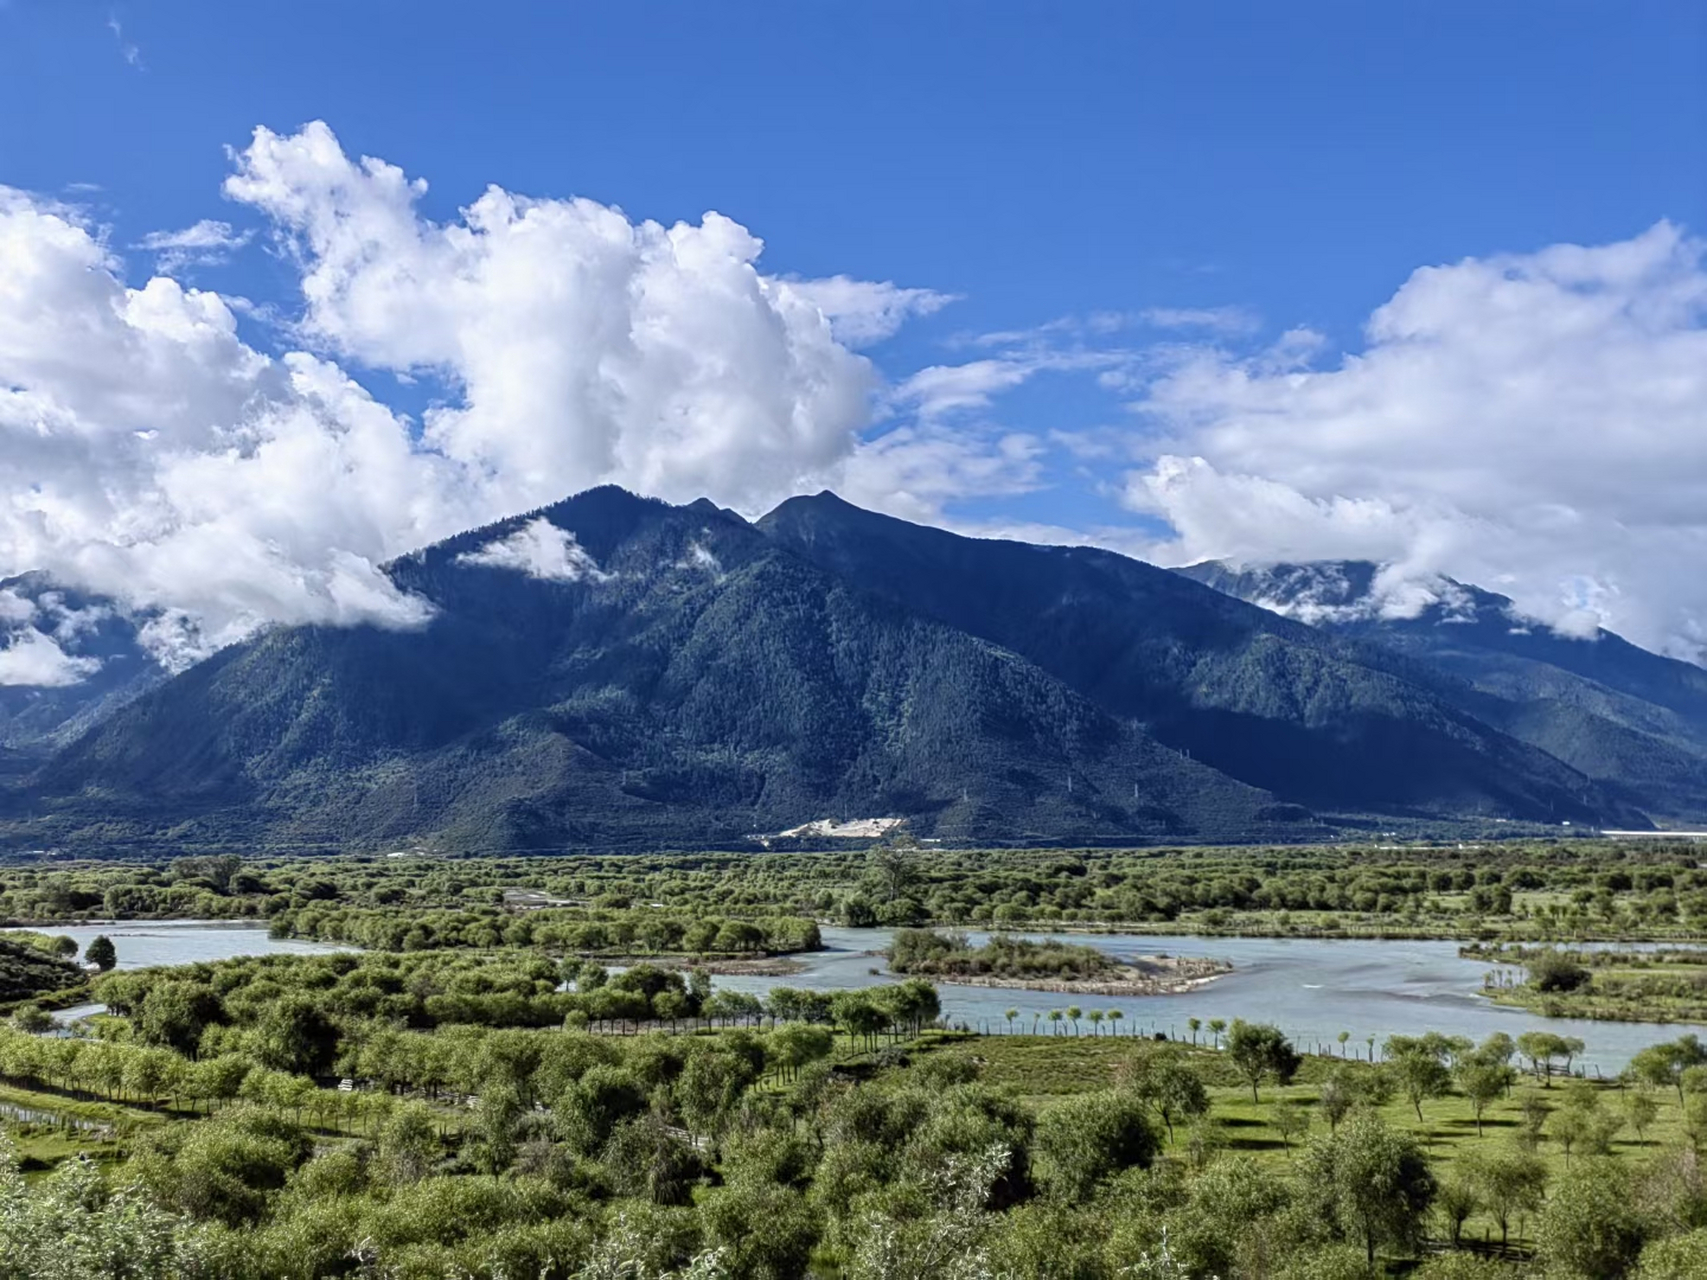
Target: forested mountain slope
[
  {"x": 676, "y": 678},
  {"x": 1270, "y": 701},
  {"x": 1633, "y": 720},
  {"x": 616, "y": 672},
  {"x": 104, "y": 665}
]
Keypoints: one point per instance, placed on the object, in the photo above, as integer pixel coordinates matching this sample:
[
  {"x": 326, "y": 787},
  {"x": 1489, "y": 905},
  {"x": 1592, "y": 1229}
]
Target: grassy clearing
[{"x": 1045, "y": 1069}]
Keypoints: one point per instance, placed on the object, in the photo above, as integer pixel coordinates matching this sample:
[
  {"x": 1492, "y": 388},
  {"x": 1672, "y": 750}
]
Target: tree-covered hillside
[
  {"x": 615, "y": 672},
  {"x": 97, "y": 635},
  {"x": 1634, "y": 721},
  {"x": 1267, "y": 700},
  {"x": 692, "y": 685}
]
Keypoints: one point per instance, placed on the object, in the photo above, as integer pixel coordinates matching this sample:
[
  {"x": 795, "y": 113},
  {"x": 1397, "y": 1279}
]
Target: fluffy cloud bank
[
  {"x": 1533, "y": 423},
  {"x": 1536, "y": 424},
  {"x": 582, "y": 347},
  {"x": 150, "y": 452}
]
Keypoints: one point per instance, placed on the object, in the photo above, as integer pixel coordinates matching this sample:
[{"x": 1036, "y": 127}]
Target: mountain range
[
  {"x": 98, "y": 664},
  {"x": 1633, "y": 721},
  {"x": 616, "y": 672}
]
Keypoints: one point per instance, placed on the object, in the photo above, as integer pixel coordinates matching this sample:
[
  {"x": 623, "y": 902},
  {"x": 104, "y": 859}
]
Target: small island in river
[{"x": 1045, "y": 966}]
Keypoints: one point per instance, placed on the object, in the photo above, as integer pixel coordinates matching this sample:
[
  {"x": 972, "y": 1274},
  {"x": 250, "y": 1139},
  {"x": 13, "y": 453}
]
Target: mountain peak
[{"x": 1331, "y": 592}]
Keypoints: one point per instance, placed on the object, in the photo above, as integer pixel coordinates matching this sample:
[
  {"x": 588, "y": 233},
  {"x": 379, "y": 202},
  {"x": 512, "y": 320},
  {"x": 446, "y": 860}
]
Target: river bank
[
  {"x": 1142, "y": 976},
  {"x": 1634, "y": 983},
  {"x": 717, "y": 966},
  {"x": 1314, "y": 990}
]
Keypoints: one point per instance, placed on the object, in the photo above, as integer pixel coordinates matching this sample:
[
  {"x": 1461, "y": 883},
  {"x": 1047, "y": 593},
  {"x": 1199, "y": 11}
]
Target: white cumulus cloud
[
  {"x": 148, "y": 451},
  {"x": 540, "y": 550},
  {"x": 28, "y": 657},
  {"x": 1533, "y": 423},
  {"x": 582, "y": 347},
  {"x": 205, "y": 243}
]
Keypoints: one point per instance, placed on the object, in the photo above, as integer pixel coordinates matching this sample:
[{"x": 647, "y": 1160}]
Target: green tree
[
  {"x": 710, "y": 1086},
  {"x": 766, "y": 1232},
  {"x": 602, "y": 1098},
  {"x": 1510, "y": 1183},
  {"x": 1455, "y": 1202},
  {"x": 295, "y": 1035},
  {"x": 1592, "y": 1228},
  {"x": 896, "y": 1241},
  {"x": 32, "y": 1019},
  {"x": 1679, "y": 1257},
  {"x": 101, "y": 953},
  {"x": 1374, "y": 1182},
  {"x": 174, "y": 1014},
  {"x": 1482, "y": 1084},
  {"x": 858, "y": 1015},
  {"x": 894, "y": 867},
  {"x": 1642, "y": 1110},
  {"x": 224, "y": 1169},
  {"x": 1261, "y": 1052},
  {"x": 1087, "y": 1137},
  {"x": 645, "y": 1157},
  {"x": 1544, "y": 1049},
  {"x": 407, "y": 1146},
  {"x": 1170, "y": 1086},
  {"x": 1581, "y": 1122},
  {"x": 914, "y": 1004},
  {"x": 1663, "y": 1065},
  {"x": 1554, "y": 971},
  {"x": 1337, "y": 1096},
  {"x": 1418, "y": 1069},
  {"x": 69, "y": 1226},
  {"x": 1290, "y": 1122}
]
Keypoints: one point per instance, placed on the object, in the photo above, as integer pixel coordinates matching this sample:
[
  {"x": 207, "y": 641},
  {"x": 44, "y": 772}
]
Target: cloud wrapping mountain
[
  {"x": 150, "y": 452},
  {"x": 1534, "y": 422},
  {"x": 723, "y": 679},
  {"x": 540, "y": 550}
]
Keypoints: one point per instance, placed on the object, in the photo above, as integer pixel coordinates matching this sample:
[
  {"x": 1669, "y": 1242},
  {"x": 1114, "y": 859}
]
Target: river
[
  {"x": 141, "y": 943},
  {"x": 1311, "y": 988}
]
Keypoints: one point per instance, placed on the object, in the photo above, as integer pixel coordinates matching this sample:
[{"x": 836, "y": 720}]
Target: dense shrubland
[
  {"x": 29, "y": 972},
  {"x": 518, "y": 1106},
  {"x": 599, "y": 931},
  {"x": 1519, "y": 891},
  {"x": 951, "y": 956},
  {"x": 1657, "y": 985},
  {"x": 785, "y": 1149}
]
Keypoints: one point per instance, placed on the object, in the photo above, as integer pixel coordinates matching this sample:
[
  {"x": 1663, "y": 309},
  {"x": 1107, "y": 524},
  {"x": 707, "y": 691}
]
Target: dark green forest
[{"x": 719, "y": 683}]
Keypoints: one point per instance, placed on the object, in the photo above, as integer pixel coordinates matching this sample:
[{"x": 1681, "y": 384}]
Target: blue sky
[
  {"x": 1174, "y": 188},
  {"x": 1037, "y": 159}
]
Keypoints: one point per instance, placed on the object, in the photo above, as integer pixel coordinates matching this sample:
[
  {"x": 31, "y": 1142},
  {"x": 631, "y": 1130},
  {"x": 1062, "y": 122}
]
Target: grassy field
[
  {"x": 1044, "y": 1069},
  {"x": 1662, "y": 985}
]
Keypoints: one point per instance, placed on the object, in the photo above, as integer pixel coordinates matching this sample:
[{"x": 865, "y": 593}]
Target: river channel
[
  {"x": 1312, "y": 989},
  {"x": 141, "y": 943}
]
